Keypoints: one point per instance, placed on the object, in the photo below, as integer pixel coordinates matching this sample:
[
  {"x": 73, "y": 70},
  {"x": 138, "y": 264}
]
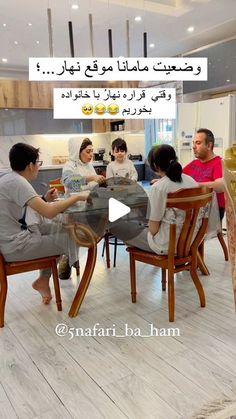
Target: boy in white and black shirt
[{"x": 121, "y": 166}]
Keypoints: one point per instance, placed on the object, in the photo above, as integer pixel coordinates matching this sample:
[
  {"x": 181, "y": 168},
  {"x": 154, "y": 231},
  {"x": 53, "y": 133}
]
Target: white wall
[{"x": 56, "y": 145}]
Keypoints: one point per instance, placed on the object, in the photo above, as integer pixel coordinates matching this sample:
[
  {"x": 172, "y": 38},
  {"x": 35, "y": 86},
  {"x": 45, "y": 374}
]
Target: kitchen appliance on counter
[
  {"x": 98, "y": 156},
  {"x": 135, "y": 157}
]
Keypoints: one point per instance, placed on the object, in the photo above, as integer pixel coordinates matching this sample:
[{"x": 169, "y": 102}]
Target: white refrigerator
[{"x": 218, "y": 115}]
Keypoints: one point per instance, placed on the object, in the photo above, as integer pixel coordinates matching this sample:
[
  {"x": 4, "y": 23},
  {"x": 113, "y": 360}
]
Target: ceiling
[{"x": 165, "y": 21}]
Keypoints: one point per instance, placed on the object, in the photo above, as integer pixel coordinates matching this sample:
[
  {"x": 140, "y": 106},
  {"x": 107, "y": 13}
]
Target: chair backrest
[
  {"x": 229, "y": 166},
  {"x": 56, "y": 183},
  {"x": 190, "y": 200}
]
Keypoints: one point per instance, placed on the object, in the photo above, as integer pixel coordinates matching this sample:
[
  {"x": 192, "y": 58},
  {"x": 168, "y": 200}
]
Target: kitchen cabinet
[
  {"x": 117, "y": 125},
  {"x": 126, "y": 125},
  {"x": 134, "y": 125},
  {"x": 39, "y": 121},
  {"x": 100, "y": 125}
]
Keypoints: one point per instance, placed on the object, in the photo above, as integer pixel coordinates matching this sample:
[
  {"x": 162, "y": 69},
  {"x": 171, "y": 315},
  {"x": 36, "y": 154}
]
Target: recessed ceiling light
[
  {"x": 4, "y": 25},
  {"x": 138, "y": 19},
  {"x": 16, "y": 42},
  {"x": 37, "y": 42},
  {"x": 74, "y": 6},
  {"x": 190, "y": 29},
  {"x": 151, "y": 45},
  {"x": 4, "y": 60},
  {"x": 29, "y": 24}
]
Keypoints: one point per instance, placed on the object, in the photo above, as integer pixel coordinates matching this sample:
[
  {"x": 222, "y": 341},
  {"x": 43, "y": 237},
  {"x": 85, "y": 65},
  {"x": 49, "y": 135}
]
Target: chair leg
[
  {"x": 201, "y": 249},
  {"x": 171, "y": 295},
  {"x": 115, "y": 251},
  {"x": 132, "y": 278},
  {"x": 103, "y": 247},
  {"x": 106, "y": 240},
  {"x": 201, "y": 264},
  {"x": 163, "y": 279},
  {"x": 198, "y": 285},
  {"x": 3, "y": 296},
  {"x": 56, "y": 285},
  {"x": 200, "y": 260},
  {"x": 223, "y": 245}
]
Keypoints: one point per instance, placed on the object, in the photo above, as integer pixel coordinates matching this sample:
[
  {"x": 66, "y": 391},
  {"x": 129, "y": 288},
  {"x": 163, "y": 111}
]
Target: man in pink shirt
[{"x": 207, "y": 167}]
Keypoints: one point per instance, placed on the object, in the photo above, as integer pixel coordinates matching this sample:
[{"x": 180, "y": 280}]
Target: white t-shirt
[
  {"x": 125, "y": 169},
  {"x": 15, "y": 192},
  {"x": 158, "y": 212}
]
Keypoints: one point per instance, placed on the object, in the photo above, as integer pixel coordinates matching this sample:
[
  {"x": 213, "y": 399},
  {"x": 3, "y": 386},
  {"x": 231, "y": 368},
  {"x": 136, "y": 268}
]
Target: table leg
[{"x": 85, "y": 281}]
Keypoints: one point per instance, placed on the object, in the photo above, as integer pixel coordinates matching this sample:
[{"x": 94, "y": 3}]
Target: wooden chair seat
[
  {"x": 183, "y": 255},
  {"x": 12, "y": 268}
]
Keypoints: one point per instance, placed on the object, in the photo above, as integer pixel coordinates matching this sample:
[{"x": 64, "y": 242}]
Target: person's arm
[
  {"x": 153, "y": 181},
  {"x": 154, "y": 226},
  {"x": 109, "y": 171},
  {"x": 157, "y": 206},
  {"x": 217, "y": 185},
  {"x": 77, "y": 182},
  {"x": 133, "y": 174},
  {"x": 50, "y": 195},
  {"x": 95, "y": 178},
  {"x": 217, "y": 181},
  {"x": 50, "y": 210}
]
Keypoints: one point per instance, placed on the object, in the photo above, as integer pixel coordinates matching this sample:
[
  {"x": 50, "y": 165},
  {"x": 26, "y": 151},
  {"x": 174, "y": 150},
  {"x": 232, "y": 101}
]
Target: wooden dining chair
[
  {"x": 183, "y": 255},
  {"x": 110, "y": 239},
  {"x": 12, "y": 268}
]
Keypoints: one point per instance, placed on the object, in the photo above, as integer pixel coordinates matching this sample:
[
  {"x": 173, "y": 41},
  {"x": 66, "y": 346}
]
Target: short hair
[
  {"x": 85, "y": 144},
  {"x": 21, "y": 154},
  {"x": 119, "y": 144},
  {"x": 210, "y": 139}
]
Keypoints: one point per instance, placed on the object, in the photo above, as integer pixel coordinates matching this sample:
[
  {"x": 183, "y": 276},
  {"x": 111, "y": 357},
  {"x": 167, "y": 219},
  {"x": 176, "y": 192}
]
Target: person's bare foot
[{"x": 42, "y": 286}]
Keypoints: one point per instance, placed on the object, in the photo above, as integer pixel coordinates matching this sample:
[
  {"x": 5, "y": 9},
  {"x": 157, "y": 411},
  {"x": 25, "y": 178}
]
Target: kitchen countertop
[
  {"x": 60, "y": 166},
  {"x": 96, "y": 164}
]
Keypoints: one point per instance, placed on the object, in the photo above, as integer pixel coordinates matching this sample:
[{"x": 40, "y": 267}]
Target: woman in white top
[
  {"x": 155, "y": 237},
  {"x": 78, "y": 173}
]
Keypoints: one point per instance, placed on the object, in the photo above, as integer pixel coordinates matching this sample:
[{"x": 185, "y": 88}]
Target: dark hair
[
  {"x": 210, "y": 139},
  {"x": 85, "y": 144},
  {"x": 119, "y": 144},
  {"x": 21, "y": 155},
  {"x": 150, "y": 158},
  {"x": 163, "y": 157}
]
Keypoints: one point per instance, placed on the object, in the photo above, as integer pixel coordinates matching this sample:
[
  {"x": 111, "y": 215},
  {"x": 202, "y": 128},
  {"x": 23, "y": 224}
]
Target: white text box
[{"x": 114, "y": 103}]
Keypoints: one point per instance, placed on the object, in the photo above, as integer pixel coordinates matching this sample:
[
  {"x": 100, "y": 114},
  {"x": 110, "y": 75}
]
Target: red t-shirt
[{"x": 206, "y": 172}]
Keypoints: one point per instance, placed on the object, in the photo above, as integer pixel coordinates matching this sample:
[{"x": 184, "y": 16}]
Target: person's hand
[
  {"x": 51, "y": 195},
  {"x": 99, "y": 179},
  {"x": 83, "y": 196},
  {"x": 153, "y": 181}
]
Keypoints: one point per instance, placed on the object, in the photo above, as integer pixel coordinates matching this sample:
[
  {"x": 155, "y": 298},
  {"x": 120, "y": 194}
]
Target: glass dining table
[{"x": 88, "y": 221}]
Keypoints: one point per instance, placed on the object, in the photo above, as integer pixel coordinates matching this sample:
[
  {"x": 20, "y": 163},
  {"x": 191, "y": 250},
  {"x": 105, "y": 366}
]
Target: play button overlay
[
  {"x": 119, "y": 205},
  {"x": 117, "y": 210}
]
